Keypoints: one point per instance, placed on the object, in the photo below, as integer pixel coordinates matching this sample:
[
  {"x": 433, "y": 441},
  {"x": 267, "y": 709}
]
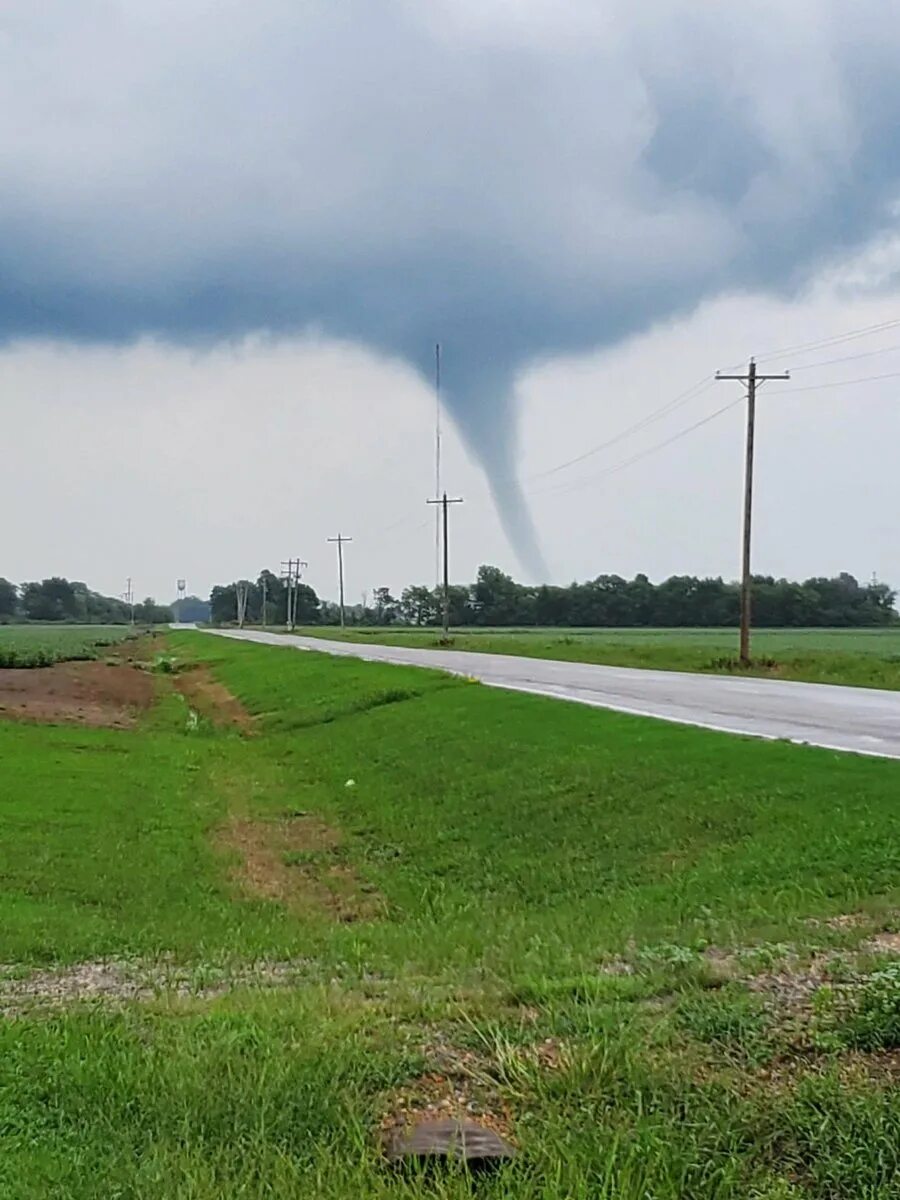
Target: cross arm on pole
[{"x": 759, "y": 378}]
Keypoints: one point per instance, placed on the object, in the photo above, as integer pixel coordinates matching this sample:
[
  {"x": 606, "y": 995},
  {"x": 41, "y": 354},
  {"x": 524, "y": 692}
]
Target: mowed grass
[
  {"x": 550, "y": 880},
  {"x": 858, "y": 657},
  {"x": 43, "y": 645}
]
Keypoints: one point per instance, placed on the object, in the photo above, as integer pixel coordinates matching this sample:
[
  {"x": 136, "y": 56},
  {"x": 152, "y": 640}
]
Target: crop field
[
  {"x": 868, "y": 657},
  {"x": 43, "y": 645},
  {"x": 301, "y": 902}
]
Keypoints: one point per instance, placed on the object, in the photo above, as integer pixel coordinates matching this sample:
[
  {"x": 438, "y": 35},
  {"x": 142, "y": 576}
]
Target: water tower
[{"x": 182, "y": 587}]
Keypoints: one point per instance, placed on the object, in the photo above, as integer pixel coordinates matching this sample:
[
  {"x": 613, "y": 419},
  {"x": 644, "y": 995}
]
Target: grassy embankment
[
  {"x": 561, "y": 916},
  {"x": 860, "y": 657}
]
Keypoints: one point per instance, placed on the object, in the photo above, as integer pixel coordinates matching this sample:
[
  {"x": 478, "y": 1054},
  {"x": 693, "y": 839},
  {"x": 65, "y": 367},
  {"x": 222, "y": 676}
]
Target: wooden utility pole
[
  {"x": 339, "y": 541},
  {"x": 437, "y": 459},
  {"x": 444, "y": 502},
  {"x": 264, "y": 622},
  {"x": 287, "y": 572},
  {"x": 291, "y": 575},
  {"x": 752, "y": 380},
  {"x": 241, "y": 590}
]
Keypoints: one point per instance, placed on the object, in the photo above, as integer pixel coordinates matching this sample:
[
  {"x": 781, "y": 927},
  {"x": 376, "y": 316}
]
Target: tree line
[
  {"x": 309, "y": 609},
  {"x": 609, "y": 600},
  {"x": 72, "y": 602}
]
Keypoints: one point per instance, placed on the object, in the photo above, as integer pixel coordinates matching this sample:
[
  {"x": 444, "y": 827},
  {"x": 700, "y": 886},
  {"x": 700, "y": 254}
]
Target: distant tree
[
  {"x": 642, "y": 595},
  {"x": 192, "y": 608},
  {"x": 9, "y": 600},
  {"x": 94, "y": 609},
  {"x": 223, "y": 604},
  {"x": 307, "y": 605},
  {"x": 496, "y": 597},
  {"x": 418, "y": 606},
  {"x": 552, "y": 605},
  {"x": 385, "y": 608},
  {"x": 51, "y": 600},
  {"x": 269, "y": 584},
  {"x": 460, "y": 604},
  {"x": 879, "y": 603},
  {"x": 330, "y": 614},
  {"x": 148, "y": 612}
]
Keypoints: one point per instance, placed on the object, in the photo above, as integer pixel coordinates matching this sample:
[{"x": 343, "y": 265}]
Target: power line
[
  {"x": 830, "y": 362},
  {"x": 699, "y": 388},
  {"x": 395, "y": 527},
  {"x": 400, "y": 526},
  {"x": 817, "y": 387},
  {"x": 664, "y": 410},
  {"x": 702, "y": 385},
  {"x": 849, "y": 336},
  {"x": 641, "y": 454}
]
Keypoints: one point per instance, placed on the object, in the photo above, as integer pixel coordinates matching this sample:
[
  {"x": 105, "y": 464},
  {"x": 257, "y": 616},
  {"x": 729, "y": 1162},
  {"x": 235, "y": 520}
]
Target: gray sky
[{"x": 230, "y": 235}]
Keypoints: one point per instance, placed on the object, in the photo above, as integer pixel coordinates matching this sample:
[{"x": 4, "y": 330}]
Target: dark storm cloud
[{"x": 514, "y": 180}]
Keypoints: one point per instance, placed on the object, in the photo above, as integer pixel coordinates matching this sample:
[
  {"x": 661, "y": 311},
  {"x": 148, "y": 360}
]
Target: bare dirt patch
[
  {"x": 296, "y": 862},
  {"x": 118, "y": 981},
  {"x": 460, "y": 1085},
  {"x": 138, "y": 650},
  {"x": 100, "y": 694},
  {"x": 883, "y": 943},
  {"x": 212, "y": 699},
  {"x": 794, "y": 984}
]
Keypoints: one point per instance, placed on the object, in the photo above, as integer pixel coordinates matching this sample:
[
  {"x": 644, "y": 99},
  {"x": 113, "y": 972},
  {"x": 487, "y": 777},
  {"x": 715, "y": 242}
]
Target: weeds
[
  {"x": 874, "y": 1020},
  {"x": 729, "y": 1019}
]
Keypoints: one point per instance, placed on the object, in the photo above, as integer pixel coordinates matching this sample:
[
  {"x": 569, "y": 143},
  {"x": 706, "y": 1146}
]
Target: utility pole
[
  {"x": 128, "y": 597},
  {"x": 291, "y": 574},
  {"x": 752, "y": 379},
  {"x": 437, "y": 460},
  {"x": 287, "y": 569},
  {"x": 339, "y": 542},
  {"x": 264, "y": 622},
  {"x": 445, "y": 503},
  {"x": 241, "y": 590}
]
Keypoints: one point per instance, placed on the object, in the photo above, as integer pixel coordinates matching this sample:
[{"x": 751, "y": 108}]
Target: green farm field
[
  {"x": 42, "y": 645},
  {"x": 305, "y": 897},
  {"x": 867, "y": 657}
]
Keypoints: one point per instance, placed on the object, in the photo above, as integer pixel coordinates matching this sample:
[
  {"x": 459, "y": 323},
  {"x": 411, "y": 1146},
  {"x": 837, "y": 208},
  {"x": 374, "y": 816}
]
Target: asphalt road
[{"x": 861, "y": 720}]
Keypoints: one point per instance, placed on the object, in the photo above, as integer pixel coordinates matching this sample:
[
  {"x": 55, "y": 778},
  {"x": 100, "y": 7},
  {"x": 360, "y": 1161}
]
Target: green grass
[
  {"x": 519, "y": 846},
  {"x": 43, "y": 645},
  {"x": 859, "y": 657}
]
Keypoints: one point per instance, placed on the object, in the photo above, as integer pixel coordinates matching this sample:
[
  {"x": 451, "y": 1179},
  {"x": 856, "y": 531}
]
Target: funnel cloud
[{"x": 517, "y": 181}]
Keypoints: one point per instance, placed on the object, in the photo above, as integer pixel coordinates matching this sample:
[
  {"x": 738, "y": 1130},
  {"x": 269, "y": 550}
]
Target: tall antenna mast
[{"x": 437, "y": 460}]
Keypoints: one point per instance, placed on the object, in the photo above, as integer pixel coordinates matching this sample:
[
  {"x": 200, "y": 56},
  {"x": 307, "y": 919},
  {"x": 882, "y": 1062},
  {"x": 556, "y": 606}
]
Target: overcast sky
[{"x": 230, "y": 235}]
